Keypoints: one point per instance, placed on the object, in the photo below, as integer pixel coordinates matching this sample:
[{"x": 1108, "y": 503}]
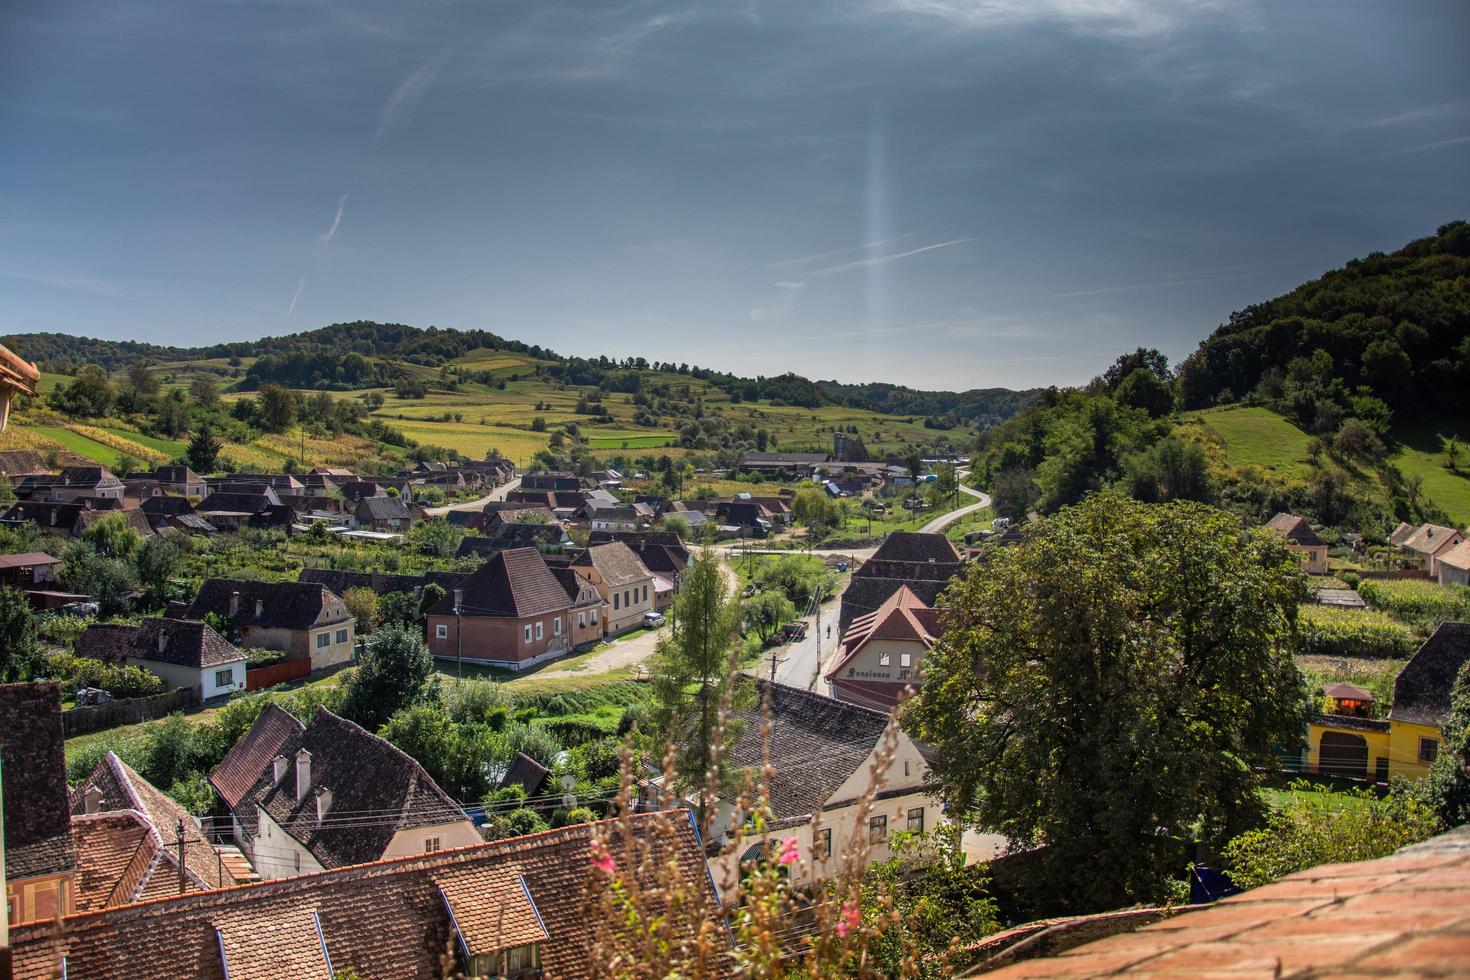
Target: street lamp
[{"x": 458, "y": 634}]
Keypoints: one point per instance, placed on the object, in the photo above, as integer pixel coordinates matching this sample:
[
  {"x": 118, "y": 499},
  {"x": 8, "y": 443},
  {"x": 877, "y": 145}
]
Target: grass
[
  {"x": 1374, "y": 673},
  {"x": 168, "y": 447},
  {"x": 1419, "y": 451},
  {"x": 80, "y": 444},
  {"x": 1251, "y": 437}
]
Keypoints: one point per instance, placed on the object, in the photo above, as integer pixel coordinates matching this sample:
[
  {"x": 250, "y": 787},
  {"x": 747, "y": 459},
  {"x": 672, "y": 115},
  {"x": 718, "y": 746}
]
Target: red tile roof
[
  {"x": 903, "y": 616},
  {"x": 514, "y": 583},
  {"x": 392, "y": 918},
  {"x": 252, "y": 755},
  {"x": 1404, "y": 915}
]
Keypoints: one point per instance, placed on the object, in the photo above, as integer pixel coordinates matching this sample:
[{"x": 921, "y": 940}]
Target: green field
[
  {"x": 1255, "y": 437},
  {"x": 167, "y": 446},
  {"x": 1419, "y": 452},
  {"x": 80, "y": 444}
]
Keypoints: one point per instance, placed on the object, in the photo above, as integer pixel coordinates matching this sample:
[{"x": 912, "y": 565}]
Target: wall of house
[
  {"x": 869, "y": 665},
  {"x": 501, "y": 641},
  {"x": 338, "y": 649},
  {"x": 620, "y": 617},
  {"x": 1314, "y": 558},
  {"x": 276, "y": 854},
  {"x": 201, "y": 680},
  {"x": 1403, "y": 748},
  {"x": 291, "y": 642},
  {"x": 458, "y": 833},
  {"x": 587, "y": 623},
  {"x": 43, "y": 897}
]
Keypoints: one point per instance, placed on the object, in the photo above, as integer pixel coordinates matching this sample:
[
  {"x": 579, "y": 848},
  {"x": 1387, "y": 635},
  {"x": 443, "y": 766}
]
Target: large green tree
[
  {"x": 19, "y": 653},
  {"x": 392, "y": 675},
  {"x": 690, "y": 668},
  {"x": 203, "y": 450},
  {"x": 1112, "y": 686}
]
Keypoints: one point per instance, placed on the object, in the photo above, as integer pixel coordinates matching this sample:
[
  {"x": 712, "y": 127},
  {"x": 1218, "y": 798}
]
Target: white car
[{"x": 653, "y": 620}]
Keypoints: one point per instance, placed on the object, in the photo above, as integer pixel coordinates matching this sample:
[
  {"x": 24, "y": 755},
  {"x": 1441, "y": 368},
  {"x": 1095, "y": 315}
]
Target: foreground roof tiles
[
  {"x": 252, "y": 755},
  {"x": 1421, "y": 691},
  {"x": 1404, "y": 915},
  {"x": 393, "y": 918}
]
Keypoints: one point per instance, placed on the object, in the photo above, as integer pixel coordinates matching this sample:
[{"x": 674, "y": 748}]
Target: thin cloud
[
  {"x": 783, "y": 307},
  {"x": 1133, "y": 18},
  {"x": 331, "y": 232},
  {"x": 885, "y": 259},
  {"x": 409, "y": 93},
  {"x": 841, "y": 251},
  {"x": 297, "y": 295}
]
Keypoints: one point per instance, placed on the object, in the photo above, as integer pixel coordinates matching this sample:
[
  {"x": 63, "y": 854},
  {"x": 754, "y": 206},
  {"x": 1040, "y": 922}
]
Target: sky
[{"x": 938, "y": 193}]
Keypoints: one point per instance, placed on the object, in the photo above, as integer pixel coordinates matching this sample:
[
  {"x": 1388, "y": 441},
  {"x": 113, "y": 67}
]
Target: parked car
[
  {"x": 80, "y": 609},
  {"x": 653, "y": 620},
  {"x": 1001, "y": 522},
  {"x": 92, "y": 695}
]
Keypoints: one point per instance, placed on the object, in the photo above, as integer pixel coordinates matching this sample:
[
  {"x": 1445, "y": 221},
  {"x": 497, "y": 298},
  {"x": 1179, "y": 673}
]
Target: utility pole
[
  {"x": 458, "y": 634},
  {"x": 774, "y": 662},
  {"x": 182, "y": 880}
]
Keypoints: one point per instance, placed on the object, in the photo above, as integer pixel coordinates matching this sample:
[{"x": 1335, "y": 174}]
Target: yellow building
[{"x": 1351, "y": 743}]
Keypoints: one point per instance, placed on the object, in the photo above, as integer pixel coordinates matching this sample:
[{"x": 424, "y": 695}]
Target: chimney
[
  {"x": 162, "y": 638},
  {"x": 92, "y": 799},
  {"x": 458, "y": 600},
  {"x": 234, "y": 604},
  {"x": 259, "y": 607},
  {"x": 323, "y": 804},
  {"x": 303, "y": 774},
  {"x": 279, "y": 764}
]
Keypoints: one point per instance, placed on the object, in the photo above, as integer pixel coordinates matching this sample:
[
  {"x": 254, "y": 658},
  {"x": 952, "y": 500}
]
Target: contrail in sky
[{"x": 331, "y": 232}]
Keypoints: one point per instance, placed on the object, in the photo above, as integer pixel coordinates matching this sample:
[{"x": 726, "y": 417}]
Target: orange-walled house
[{"x": 513, "y": 613}]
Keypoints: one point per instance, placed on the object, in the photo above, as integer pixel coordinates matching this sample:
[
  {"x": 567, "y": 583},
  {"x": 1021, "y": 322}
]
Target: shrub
[
  {"x": 1417, "y": 600},
  {"x": 119, "y": 680},
  {"x": 1318, "y": 827},
  {"x": 1332, "y": 632}
]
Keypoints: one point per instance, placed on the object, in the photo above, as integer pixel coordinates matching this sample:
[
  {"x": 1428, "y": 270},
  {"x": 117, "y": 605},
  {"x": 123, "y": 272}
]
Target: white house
[
  {"x": 183, "y": 652},
  {"x": 304, "y": 809}
]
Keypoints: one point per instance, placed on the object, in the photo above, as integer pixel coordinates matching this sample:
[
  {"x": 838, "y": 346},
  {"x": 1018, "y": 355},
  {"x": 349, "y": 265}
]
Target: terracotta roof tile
[
  {"x": 250, "y": 757},
  {"x": 514, "y": 583},
  {"x": 1421, "y": 691}
]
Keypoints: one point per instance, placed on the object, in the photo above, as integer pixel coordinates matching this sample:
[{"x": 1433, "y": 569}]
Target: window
[
  {"x": 224, "y": 678},
  {"x": 581, "y": 619},
  {"x": 520, "y": 958},
  {"x": 297, "y": 858},
  {"x": 884, "y": 659},
  {"x": 626, "y": 600},
  {"x": 528, "y": 634},
  {"x": 906, "y": 767},
  {"x": 431, "y": 844},
  {"x": 877, "y": 830},
  {"x": 540, "y": 630},
  {"x": 617, "y": 598},
  {"x": 441, "y": 631},
  {"x": 916, "y": 820},
  {"x": 645, "y": 593},
  {"x": 1428, "y": 750},
  {"x": 324, "y": 640},
  {"x": 824, "y": 845},
  {"x": 342, "y": 636},
  {"x": 556, "y": 626},
  {"x": 905, "y": 659},
  {"x": 594, "y": 617}
]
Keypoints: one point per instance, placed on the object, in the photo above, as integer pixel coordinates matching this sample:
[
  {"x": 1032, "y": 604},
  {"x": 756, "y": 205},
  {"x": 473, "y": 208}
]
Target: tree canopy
[{"x": 1111, "y": 686}]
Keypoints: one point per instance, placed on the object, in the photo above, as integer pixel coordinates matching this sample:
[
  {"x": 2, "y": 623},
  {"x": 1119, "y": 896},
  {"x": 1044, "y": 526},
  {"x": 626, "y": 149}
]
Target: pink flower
[
  {"x": 851, "y": 915},
  {"x": 602, "y": 860},
  {"x": 790, "y": 852}
]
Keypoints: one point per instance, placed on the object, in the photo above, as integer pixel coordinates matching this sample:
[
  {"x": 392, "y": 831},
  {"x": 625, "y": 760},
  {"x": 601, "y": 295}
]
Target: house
[
  {"x": 747, "y": 518},
  {"x": 587, "y": 611},
  {"x": 1303, "y": 540},
  {"x": 302, "y": 619},
  {"x": 554, "y": 481},
  {"x": 1454, "y": 565},
  {"x": 159, "y": 509},
  {"x": 181, "y": 480},
  {"x": 57, "y": 520},
  {"x": 512, "y": 908},
  {"x": 625, "y": 583},
  {"x": 17, "y": 464},
  {"x": 286, "y": 820},
  {"x": 1350, "y": 742},
  {"x": 233, "y": 506},
  {"x": 546, "y": 538},
  {"x": 512, "y": 612},
  {"x": 384, "y": 513},
  {"x": 882, "y": 653},
  {"x": 791, "y": 465},
  {"x": 822, "y": 761},
  {"x": 31, "y": 568},
  {"x": 924, "y": 563},
  {"x": 355, "y": 490},
  {"x": 186, "y": 653},
  {"x": 662, "y": 553},
  {"x": 40, "y": 859},
  {"x": 238, "y": 771},
  {"x": 126, "y": 834},
  {"x": 75, "y": 482},
  {"x": 132, "y": 516},
  {"x": 528, "y": 774},
  {"x": 1427, "y": 542},
  {"x": 611, "y": 517}
]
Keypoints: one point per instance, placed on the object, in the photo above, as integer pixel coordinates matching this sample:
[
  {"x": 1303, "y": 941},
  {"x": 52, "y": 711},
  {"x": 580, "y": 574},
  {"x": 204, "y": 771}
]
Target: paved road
[
  {"x": 982, "y": 500},
  {"x": 499, "y": 493}
]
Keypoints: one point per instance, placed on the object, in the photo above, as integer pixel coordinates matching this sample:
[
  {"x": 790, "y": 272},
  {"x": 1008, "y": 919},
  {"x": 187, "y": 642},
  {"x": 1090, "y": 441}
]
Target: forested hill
[
  {"x": 366, "y": 354},
  {"x": 1394, "y": 324}
]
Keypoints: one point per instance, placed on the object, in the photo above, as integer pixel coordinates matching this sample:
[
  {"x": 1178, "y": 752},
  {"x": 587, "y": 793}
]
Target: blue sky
[{"x": 942, "y": 193}]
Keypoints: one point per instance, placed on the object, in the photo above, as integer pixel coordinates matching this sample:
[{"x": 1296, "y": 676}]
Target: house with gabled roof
[
  {"x": 185, "y": 653},
  {"x": 1427, "y": 542},
  {"x": 1406, "y": 742},
  {"x": 1301, "y": 539},
  {"x": 385, "y": 513},
  {"x": 924, "y": 563},
  {"x": 115, "y": 808},
  {"x": 624, "y": 581},
  {"x": 40, "y": 859},
  {"x": 304, "y": 620},
  {"x": 510, "y": 612},
  {"x": 587, "y": 606},
  {"x": 17, "y": 464},
  {"x": 822, "y": 754},
  {"x": 287, "y": 823},
  {"x": 882, "y": 652},
  {"x": 511, "y": 908},
  {"x": 28, "y": 569},
  {"x": 238, "y": 771}
]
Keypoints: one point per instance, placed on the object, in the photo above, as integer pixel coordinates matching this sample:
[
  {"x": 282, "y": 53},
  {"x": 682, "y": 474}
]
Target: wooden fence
[
  {"x": 126, "y": 711},
  {"x": 260, "y": 678}
]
